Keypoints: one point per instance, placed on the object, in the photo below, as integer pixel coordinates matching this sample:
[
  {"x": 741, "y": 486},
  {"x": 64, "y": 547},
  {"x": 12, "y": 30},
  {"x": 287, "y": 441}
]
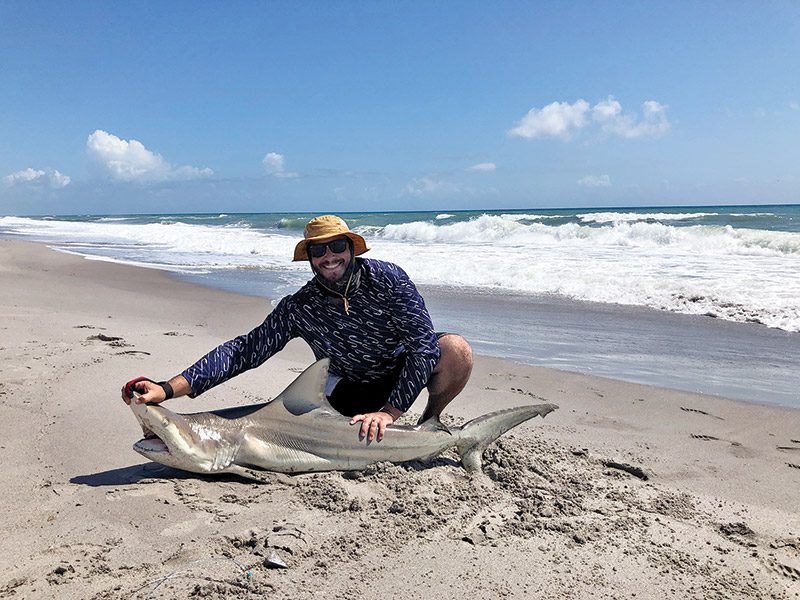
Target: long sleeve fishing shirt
[{"x": 385, "y": 330}]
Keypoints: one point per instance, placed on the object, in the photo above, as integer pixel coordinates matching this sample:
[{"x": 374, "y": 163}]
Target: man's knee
[
  {"x": 456, "y": 355},
  {"x": 450, "y": 375}
]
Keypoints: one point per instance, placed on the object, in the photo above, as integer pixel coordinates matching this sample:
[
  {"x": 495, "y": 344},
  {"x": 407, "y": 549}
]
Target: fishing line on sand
[{"x": 175, "y": 573}]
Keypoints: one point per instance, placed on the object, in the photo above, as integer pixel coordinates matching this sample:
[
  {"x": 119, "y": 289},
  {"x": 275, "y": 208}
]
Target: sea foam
[{"x": 682, "y": 262}]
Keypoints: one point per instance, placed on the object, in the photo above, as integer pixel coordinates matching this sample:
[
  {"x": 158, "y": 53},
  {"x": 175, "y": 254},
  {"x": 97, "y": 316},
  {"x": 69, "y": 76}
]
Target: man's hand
[
  {"x": 373, "y": 424},
  {"x": 150, "y": 391}
]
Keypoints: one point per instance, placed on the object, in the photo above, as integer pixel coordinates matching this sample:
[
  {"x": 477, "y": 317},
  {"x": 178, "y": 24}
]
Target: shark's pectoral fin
[
  {"x": 433, "y": 424},
  {"x": 260, "y": 476}
]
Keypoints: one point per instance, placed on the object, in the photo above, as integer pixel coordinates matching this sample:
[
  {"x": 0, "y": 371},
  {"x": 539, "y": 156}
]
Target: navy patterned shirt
[{"x": 388, "y": 329}]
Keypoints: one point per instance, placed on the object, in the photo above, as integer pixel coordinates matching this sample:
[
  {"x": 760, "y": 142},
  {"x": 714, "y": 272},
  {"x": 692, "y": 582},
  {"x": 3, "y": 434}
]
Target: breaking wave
[{"x": 688, "y": 262}]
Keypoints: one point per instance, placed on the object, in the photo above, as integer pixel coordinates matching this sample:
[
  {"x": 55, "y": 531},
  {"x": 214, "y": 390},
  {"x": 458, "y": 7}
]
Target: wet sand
[
  {"x": 625, "y": 490},
  {"x": 695, "y": 353}
]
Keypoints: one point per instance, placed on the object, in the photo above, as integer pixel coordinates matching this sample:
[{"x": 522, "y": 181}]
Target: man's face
[{"x": 330, "y": 265}]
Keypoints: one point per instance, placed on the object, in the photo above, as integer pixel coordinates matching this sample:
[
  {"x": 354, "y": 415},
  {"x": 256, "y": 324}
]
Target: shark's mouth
[{"x": 151, "y": 443}]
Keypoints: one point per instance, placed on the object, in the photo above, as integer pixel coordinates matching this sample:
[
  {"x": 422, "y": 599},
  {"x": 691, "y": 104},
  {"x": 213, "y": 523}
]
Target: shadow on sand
[
  {"x": 133, "y": 474},
  {"x": 150, "y": 471}
]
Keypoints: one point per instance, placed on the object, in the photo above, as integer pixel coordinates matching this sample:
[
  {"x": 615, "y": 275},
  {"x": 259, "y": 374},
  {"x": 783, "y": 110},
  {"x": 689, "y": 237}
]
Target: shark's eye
[{"x": 164, "y": 423}]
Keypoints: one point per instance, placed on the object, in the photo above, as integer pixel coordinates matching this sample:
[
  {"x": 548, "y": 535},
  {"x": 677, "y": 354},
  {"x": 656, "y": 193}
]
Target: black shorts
[{"x": 355, "y": 398}]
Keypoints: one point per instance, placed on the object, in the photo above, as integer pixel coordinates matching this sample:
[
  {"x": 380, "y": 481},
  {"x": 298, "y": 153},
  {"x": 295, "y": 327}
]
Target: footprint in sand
[
  {"x": 701, "y": 412},
  {"x": 183, "y": 528},
  {"x": 105, "y": 338},
  {"x": 793, "y": 543},
  {"x": 111, "y": 340},
  {"x": 709, "y": 438},
  {"x": 736, "y": 448},
  {"x": 527, "y": 393},
  {"x": 785, "y": 570}
]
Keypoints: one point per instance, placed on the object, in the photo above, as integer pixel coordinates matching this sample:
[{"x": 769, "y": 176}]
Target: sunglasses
[{"x": 318, "y": 250}]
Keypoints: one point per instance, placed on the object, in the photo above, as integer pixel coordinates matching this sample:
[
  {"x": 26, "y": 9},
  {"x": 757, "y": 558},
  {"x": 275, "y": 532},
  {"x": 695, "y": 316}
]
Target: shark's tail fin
[{"x": 476, "y": 435}]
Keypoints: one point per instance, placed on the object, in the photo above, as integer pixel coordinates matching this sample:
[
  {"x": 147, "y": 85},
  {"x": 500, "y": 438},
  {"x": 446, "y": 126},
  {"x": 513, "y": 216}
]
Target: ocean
[{"x": 703, "y": 298}]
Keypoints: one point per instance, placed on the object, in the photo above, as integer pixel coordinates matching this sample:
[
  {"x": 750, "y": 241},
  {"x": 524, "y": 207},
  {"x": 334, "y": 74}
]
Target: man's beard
[{"x": 340, "y": 284}]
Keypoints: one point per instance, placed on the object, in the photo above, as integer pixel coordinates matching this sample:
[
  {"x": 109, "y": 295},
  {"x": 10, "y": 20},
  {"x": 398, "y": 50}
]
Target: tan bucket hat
[{"x": 324, "y": 228}]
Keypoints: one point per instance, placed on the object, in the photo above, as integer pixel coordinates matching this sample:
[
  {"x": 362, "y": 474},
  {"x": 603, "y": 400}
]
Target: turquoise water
[{"x": 766, "y": 217}]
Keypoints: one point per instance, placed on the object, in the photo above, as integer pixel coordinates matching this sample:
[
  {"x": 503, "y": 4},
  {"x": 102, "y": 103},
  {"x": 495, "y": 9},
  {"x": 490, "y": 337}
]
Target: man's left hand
[{"x": 373, "y": 424}]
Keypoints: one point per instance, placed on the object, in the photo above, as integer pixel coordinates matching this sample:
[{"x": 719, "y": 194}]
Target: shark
[{"x": 300, "y": 432}]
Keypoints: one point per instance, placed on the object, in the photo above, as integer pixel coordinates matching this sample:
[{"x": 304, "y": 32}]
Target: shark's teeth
[{"x": 151, "y": 444}]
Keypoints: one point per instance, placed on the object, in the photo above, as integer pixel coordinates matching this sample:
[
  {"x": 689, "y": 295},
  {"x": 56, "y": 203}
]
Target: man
[{"x": 365, "y": 315}]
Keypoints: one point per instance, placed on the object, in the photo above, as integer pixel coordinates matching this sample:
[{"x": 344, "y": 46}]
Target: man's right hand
[{"x": 150, "y": 391}]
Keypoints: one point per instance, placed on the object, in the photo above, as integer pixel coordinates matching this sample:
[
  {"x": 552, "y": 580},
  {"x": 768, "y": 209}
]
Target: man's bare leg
[{"x": 450, "y": 375}]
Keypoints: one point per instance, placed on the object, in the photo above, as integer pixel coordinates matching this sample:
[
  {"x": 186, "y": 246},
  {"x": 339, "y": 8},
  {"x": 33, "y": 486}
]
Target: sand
[{"x": 625, "y": 491}]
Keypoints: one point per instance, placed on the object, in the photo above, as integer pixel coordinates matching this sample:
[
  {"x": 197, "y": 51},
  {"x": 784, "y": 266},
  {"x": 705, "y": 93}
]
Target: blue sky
[{"x": 112, "y": 107}]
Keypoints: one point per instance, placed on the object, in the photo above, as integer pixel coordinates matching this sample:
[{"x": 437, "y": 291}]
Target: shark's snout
[
  {"x": 179, "y": 441},
  {"x": 158, "y": 430}
]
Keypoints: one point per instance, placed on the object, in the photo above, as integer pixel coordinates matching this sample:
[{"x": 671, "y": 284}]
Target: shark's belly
[{"x": 336, "y": 450}]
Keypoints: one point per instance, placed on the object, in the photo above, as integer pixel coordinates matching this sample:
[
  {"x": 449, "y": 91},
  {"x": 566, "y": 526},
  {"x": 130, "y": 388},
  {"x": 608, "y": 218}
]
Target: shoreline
[{"x": 716, "y": 516}]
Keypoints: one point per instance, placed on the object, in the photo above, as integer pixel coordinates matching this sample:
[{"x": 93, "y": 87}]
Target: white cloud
[
  {"x": 558, "y": 119},
  {"x": 125, "y": 160},
  {"x": 652, "y": 124},
  {"x": 25, "y": 176},
  {"x": 273, "y": 163},
  {"x": 483, "y": 167},
  {"x": 59, "y": 180},
  {"x": 54, "y": 178},
  {"x": 794, "y": 105},
  {"x": 595, "y": 181},
  {"x": 606, "y": 110},
  {"x": 563, "y": 120}
]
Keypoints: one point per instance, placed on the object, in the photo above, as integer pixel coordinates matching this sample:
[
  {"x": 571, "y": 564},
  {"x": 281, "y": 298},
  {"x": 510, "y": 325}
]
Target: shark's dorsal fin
[
  {"x": 307, "y": 392},
  {"x": 304, "y": 394}
]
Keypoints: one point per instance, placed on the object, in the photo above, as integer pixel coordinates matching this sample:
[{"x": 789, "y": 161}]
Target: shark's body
[{"x": 299, "y": 432}]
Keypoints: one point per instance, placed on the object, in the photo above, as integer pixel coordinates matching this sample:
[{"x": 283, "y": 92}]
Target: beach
[{"x": 625, "y": 491}]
